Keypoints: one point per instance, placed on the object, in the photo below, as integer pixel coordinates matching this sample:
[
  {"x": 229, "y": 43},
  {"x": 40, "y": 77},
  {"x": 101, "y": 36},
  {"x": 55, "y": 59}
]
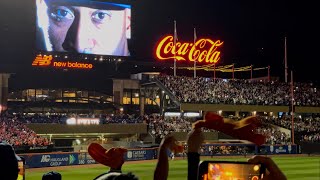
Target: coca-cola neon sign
[{"x": 203, "y": 50}]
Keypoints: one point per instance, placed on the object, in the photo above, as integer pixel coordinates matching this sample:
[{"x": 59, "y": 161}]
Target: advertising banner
[
  {"x": 141, "y": 154},
  {"x": 85, "y": 158},
  {"x": 278, "y": 149},
  {"x": 87, "y": 161},
  {"x": 51, "y": 160}
]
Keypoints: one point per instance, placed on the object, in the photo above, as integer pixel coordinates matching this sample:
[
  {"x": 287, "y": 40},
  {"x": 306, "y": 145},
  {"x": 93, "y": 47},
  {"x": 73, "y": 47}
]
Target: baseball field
[{"x": 294, "y": 167}]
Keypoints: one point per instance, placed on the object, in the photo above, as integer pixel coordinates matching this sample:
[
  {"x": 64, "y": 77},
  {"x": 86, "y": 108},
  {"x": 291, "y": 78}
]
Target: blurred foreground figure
[
  {"x": 52, "y": 176},
  {"x": 113, "y": 158},
  {"x": 8, "y": 162}
]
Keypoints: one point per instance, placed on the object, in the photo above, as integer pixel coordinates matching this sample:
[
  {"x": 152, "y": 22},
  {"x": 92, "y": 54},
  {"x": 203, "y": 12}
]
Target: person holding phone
[
  {"x": 273, "y": 171},
  {"x": 195, "y": 140}
]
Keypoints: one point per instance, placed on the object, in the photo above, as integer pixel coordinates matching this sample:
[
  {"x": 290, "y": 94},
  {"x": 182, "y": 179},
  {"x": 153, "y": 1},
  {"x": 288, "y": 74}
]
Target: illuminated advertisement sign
[
  {"x": 83, "y": 121},
  {"x": 83, "y": 26},
  {"x": 203, "y": 50},
  {"x": 51, "y": 160},
  {"x": 47, "y": 61}
]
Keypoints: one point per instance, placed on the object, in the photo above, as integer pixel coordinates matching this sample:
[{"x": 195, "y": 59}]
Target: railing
[{"x": 67, "y": 159}]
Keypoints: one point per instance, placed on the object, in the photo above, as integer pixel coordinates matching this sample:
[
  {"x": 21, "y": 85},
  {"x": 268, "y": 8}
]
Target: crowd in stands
[
  {"x": 224, "y": 150},
  {"x": 160, "y": 126},
  {"x": 40, "y": 118},
  {"x": 222, "y": 91},
  {"x": 121, "y": 118},
  {"x": 308, "y": 128},
  {"x": 61, "y": 119},
  {"x": 273, "y": 135},
  {"x": 16, "y": 133}
]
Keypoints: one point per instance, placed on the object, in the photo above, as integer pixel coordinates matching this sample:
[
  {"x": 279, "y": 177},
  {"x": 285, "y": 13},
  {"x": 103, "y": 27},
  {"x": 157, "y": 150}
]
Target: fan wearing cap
[
  {"x": 8, "y": 162},
  {"x": 113, "y": 158},
  {"x": 84, "y": 26}
]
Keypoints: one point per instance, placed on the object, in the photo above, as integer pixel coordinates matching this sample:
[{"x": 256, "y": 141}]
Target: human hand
[
  {"x": 195, "y": 140},
  {"x": 273, "y": 171},
  {"x": 242, "y": 129},
  {"x": 169, "y": 142}
]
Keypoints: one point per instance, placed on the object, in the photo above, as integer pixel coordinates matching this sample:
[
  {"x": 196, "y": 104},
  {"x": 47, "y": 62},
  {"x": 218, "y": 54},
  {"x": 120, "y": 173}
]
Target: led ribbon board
[{"x": 48, "y": 61}]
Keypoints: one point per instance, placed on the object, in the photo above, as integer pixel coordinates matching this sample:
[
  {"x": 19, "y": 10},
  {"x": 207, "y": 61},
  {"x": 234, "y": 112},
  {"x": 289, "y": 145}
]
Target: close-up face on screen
[
  {"x": 83, "y": 26},
  {"x": 232, "y": 171}
]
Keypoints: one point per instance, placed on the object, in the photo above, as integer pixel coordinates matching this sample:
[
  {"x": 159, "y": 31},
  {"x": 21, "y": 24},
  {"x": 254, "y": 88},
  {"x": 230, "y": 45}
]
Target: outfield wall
[{"x": 68, "y": 159}]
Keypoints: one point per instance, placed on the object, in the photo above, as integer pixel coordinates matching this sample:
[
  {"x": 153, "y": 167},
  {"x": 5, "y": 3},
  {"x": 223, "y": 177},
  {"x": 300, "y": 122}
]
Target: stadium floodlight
[
  {"x": 71, "y": 121},
  {"x": 172, "y": 114},
  {"x": 192, "y": 114},
  {"x": 254, "y": 113}
]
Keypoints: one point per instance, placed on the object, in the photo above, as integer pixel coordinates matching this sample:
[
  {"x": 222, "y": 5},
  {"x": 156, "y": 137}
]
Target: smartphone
[
  {"x": 230, "y": 170},
  {"x": 21, "y": 174}
]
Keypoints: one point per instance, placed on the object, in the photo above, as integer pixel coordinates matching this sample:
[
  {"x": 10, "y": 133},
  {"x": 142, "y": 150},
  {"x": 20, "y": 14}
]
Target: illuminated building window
[
  {"x": 110, "y": 99},
  {"x": 69, "y": 94},
  {"x": 126, "y": 100},
  {"x": 150, "y": 102},
  {"x": 16, "y": 100},
  {"x": 158, "y": 100},
  {"x": 135, "y": 100},
  {"x": 82, "y": 101}
]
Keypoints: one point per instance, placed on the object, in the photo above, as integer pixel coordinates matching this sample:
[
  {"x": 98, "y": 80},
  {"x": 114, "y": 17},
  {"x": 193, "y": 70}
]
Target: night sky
[{"x": 253, "y": 32}]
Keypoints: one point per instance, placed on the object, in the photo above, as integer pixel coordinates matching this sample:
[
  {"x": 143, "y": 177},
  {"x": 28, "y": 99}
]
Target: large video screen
[{"x": 83, "y": 26}]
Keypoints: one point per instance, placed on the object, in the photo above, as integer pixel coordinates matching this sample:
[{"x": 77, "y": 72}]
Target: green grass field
[{"x": 304, "y": 168}]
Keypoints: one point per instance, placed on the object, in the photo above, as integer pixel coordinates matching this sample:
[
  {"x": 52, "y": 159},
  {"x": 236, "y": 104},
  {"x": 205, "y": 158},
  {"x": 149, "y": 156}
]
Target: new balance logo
[{"x": 42, "y": 60}]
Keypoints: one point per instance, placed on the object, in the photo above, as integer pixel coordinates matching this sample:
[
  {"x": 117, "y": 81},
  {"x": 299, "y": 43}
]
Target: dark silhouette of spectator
[
  {"x": 8, "y": 162},
  {"x": 52, "y": 176}
]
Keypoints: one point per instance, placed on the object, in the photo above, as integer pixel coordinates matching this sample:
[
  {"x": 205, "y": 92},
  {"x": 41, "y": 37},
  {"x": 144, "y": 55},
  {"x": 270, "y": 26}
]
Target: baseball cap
[
  {"x": 116, "y": 175},
  {"x": 8, "y": 162},
  {"x": 52, "y": 175},
  {"x": 89, "y": 3}
]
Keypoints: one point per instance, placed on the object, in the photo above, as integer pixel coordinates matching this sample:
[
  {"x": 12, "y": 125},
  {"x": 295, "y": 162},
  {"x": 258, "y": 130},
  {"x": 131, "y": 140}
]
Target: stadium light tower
[
  {"x": 292, "y": 110},
  {"x": 285, "y": 61}
]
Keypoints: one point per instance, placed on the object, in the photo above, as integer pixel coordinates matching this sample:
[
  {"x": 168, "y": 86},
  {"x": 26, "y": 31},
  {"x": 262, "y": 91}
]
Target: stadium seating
[{"x": 222, "y": 91}]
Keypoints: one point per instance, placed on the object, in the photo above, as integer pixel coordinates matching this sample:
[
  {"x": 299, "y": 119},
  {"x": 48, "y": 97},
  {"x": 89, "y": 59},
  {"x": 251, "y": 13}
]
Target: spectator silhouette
[
  {"x": 8, "y": 162},
  {"x": 52, "y": 176}
]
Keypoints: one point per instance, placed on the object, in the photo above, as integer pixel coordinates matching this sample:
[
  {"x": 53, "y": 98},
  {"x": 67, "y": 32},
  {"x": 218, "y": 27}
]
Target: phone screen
[
  {"x": 233, "y": 171},
  {"x": 21, "y": 170}
]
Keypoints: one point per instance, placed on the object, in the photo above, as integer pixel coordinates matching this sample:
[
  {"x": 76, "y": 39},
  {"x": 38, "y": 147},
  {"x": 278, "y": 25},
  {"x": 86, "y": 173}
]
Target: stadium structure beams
[{"x": 155, "y": 90}]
